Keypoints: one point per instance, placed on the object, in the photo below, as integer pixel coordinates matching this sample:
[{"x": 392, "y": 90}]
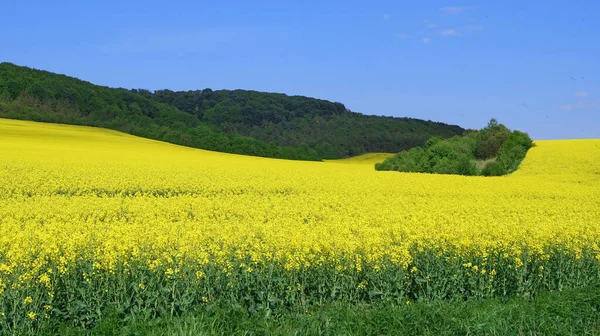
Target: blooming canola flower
[{"x": 72, "y": 193}]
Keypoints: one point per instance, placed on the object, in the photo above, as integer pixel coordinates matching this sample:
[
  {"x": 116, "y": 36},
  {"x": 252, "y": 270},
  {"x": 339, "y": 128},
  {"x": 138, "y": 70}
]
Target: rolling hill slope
[{"x": 243, "y": 122}]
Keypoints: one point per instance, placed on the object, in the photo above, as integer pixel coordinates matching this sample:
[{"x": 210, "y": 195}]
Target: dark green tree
[{"x": 490, "y": 139}]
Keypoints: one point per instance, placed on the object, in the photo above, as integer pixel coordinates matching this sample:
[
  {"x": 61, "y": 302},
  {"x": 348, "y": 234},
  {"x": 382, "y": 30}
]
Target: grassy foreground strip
[{"x": 571, "y": 312}]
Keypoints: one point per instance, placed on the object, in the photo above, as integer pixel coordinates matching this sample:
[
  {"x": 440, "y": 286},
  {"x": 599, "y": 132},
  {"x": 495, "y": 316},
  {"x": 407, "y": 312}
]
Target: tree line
[
  {"x": 233, "y": 121},
  {"x": 492, "y": 151}
]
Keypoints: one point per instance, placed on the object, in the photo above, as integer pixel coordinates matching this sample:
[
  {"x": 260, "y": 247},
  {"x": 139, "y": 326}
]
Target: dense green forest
[
  {"x": 238, "y": 121},
  {"x": 331, "y": 129},
  {"x": 492, "y": 151}
]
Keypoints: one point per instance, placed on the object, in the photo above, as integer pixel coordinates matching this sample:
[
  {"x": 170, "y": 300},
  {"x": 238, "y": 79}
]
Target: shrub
[
  {"x": 466, "y": 167},
  {"x": 493, "y": 168},
  {"x": 511, "y": 156},
  {"x": 513, "y": 150},
  {"x": 444, "y": 166}
]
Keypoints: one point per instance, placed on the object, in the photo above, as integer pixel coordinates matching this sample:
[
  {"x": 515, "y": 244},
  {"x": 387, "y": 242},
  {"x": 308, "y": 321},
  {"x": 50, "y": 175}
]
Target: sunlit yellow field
[{"x": 83, "y": 205}]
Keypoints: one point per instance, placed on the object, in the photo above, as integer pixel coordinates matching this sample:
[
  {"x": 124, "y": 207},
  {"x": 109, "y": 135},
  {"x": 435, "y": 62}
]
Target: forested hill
[
  {"x": 330, "y": 128},
  {"x": 243, "y": 122}
]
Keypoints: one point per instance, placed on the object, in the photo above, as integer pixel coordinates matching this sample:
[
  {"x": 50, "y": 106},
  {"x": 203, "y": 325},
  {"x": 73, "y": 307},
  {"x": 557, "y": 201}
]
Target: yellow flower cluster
[{"x": 69, "y": 193}]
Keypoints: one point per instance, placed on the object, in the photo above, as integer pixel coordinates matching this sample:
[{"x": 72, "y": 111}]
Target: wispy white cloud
[
  {"x": 453, "y": 10},
  {"x": 581, "y": 94},
  {"x": 580, "y": 105},
  {"x": 430, "y": 29},
  {"x": 387, "y": 16},
  {"x": 448, "y": 32},
  {"x": 459, "y": 31},
  {"x": 471, "y": 28}
]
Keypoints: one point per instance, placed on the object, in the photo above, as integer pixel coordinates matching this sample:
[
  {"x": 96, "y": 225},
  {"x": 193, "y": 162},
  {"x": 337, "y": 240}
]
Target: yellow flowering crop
[{"x": 103, "y": 203}]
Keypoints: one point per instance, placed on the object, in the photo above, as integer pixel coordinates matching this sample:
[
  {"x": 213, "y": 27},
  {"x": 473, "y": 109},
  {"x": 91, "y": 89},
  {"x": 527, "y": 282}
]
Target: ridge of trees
[
  {"x": 497, "y": 148},
  {"x": 328, "y": 127},
  {"x": 234, "y": 121}
]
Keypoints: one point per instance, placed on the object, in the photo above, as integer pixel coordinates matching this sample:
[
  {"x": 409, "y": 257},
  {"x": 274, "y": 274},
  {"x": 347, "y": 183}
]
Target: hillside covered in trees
[
  {"x": 328, "y": 127},
  {"x": 233, "y": 121}
]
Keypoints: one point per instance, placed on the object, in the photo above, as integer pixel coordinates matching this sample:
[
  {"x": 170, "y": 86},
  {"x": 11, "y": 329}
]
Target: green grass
[
  {"x": 480, "y": 164},
  {"x": 571, "y": 312}
]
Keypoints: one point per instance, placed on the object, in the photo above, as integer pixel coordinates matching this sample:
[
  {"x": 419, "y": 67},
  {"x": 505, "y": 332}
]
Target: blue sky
[{"x": 533, "y": 65}]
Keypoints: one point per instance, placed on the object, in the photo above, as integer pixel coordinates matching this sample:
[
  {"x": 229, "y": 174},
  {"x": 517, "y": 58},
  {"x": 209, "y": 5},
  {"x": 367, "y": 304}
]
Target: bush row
[{"x": 501, "y": 149}]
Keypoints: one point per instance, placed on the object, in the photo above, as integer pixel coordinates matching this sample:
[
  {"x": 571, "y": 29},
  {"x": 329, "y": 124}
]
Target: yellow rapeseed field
[{"x": 81, "y": 205}]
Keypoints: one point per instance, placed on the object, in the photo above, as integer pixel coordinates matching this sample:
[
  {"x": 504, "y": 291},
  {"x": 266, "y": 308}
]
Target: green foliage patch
[
  {"x": 501, "y": 148},
  {"x": 571, "y": 312},
  {"x": 84, "y": 297}
]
